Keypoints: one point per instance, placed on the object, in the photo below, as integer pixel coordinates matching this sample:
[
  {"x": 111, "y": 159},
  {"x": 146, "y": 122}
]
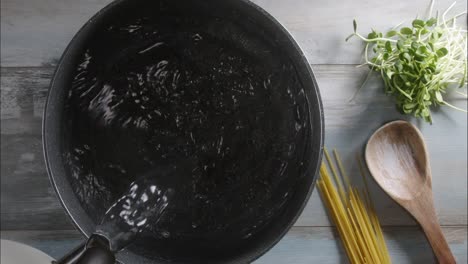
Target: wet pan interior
[{"x": 212, "y": 95}]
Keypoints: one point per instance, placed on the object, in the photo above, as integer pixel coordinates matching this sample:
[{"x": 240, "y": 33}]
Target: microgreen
[{"x": 419, "y": 63}]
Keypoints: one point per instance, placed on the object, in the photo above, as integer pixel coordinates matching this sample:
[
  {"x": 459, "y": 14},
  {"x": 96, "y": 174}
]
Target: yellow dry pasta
[{"x": 353, "y": 213}]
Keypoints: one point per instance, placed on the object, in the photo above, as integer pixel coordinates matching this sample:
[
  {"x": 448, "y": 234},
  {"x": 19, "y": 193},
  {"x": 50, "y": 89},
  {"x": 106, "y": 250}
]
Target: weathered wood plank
[
  {"x": 35, "y": 33},
  {"x": 28, "y": 201},
  {"x": 300, "y": 245}
]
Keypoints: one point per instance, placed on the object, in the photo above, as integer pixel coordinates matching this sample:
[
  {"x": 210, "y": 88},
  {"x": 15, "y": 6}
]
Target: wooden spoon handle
[{"x": 437, "y": 240}]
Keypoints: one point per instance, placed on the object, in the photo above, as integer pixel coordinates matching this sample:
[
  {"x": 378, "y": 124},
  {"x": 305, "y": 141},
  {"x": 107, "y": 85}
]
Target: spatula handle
[{"x": 93, "y": 251}]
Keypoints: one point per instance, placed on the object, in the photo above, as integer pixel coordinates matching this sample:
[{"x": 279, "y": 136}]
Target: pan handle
[{"x": 93, "y": 251}]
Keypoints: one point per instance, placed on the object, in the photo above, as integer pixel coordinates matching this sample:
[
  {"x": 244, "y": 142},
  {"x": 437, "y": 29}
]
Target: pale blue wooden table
[{"x": 35, "y": 32}]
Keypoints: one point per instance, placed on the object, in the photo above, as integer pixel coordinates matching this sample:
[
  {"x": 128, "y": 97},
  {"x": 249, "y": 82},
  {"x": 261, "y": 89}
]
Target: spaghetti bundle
[{"x": 353, "y": 213}]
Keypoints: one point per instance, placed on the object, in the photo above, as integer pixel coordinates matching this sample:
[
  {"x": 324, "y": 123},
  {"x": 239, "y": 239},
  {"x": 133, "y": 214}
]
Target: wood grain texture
[
  {"x": 28, "y": 201},
  {"x": 302, "y": 245},
  {"x": 35, "y": 33},
  {"x": 398, "y": 161}
]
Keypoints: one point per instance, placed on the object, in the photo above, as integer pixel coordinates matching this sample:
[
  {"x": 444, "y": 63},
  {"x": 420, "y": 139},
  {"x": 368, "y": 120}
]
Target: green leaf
[
  {"x": 407, "y": 66},
  {"x": 424, "y": 31},
  {"x": 389, "y": 74},
  {"x": 437, "y": 35},
  {"x": 441, "y": 52},
  {"x": 426, "y": 78},
  {"x": 409, "y": 106},
  {"x": 400, "y": 44},
  {"x": 418, "y": 23},
  {"x": 407, "y": 110},
  {"x": 390, "y": 34},
  {"x": 388, "y": 46},
  {"x": 422, "y": 50},
  {"x": 425, "y": 113},
  {"x": 354, "y": 25},
  {"x": 406, "y": 31},
  {"x": 431, "y": 22},
  {"x": 420, "y": 57},
  {"x": 405, "y": 56},
  {"x": 350, "y": 36},
  {"x": 430, "y": 69},
  {"x": 398, "y": 66},
  {"x": 372, "y": 35},
  {"x": 395, "y": 84},
  {"x": 431, "y": 45},
  {"x": 428, "y": 119}
]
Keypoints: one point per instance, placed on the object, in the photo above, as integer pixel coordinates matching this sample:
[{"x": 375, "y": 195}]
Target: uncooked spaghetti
[{"x": 353, "y": 213}]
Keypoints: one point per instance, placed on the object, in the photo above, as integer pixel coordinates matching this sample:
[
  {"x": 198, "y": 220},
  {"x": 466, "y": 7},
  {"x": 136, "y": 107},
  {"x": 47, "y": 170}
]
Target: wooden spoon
[{"x": 397, "y": 159}]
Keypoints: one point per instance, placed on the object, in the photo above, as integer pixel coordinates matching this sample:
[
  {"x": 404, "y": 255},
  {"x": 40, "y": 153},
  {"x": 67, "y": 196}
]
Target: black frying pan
[{"x": 149, "y": 84}]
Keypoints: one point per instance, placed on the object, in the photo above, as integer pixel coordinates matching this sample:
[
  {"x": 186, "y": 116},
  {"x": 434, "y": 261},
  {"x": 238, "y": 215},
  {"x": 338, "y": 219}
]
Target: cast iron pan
[{"x": 219, "y": 86}]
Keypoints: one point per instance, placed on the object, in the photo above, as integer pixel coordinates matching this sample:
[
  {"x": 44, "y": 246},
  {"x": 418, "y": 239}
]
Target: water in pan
[{"x": 205, "y": 104}]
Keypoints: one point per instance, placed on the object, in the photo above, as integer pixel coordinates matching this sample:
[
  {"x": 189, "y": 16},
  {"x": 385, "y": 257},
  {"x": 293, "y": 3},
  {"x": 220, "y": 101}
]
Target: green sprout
[{"x": 419, "y": 63}]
